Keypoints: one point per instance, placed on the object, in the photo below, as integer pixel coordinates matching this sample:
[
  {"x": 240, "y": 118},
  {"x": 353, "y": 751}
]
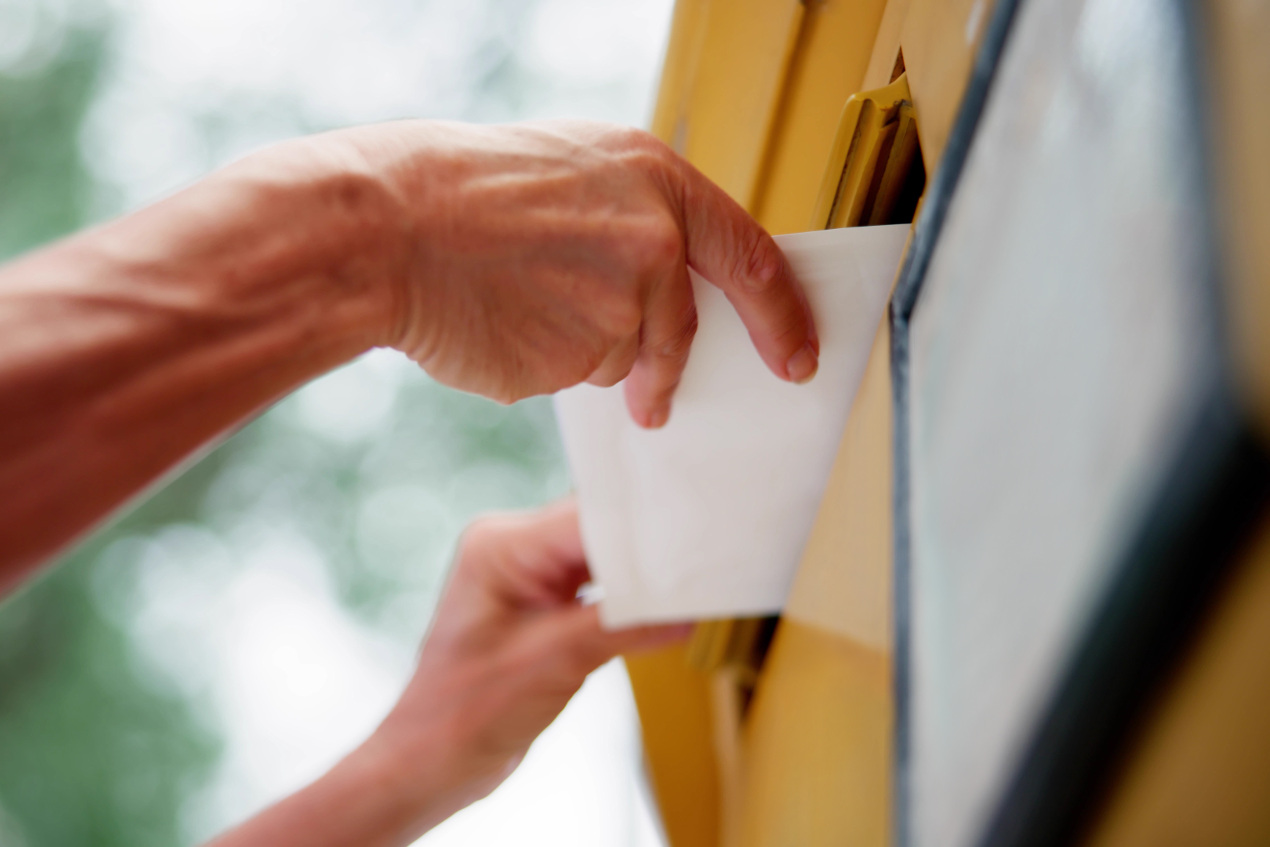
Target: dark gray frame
[{"x": 1216, "y": 487}]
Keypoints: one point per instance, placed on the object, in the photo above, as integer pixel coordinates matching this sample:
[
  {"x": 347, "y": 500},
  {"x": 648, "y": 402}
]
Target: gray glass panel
[{"x": 1052, "y": 364}]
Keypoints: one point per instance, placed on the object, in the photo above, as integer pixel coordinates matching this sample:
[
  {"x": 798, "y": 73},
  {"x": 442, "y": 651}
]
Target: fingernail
[
  {"x": 802, "y": 366},
  {"x": 658, "y": 417}
]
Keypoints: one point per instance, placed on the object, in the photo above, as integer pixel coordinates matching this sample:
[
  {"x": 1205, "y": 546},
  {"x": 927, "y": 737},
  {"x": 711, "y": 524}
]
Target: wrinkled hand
[
  {"x": 509, "y": 646},
  {"x": 542, "y": 255}
]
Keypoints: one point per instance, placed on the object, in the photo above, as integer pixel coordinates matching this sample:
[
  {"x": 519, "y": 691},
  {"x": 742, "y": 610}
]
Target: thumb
[{"x": 588, "y": 644}]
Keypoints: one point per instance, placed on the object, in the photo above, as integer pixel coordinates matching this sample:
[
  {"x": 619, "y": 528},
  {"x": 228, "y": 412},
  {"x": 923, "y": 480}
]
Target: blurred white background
[{"x": 283, "y": 599}]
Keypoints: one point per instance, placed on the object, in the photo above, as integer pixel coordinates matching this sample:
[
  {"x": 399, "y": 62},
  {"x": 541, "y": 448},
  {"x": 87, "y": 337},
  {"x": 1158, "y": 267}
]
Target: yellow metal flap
[{"x": 871, "y": 125}]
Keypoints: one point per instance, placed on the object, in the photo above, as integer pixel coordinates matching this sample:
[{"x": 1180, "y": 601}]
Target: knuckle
[
  {"x": 621, "y": 318},
  {"x": 649, "y": 156},
  {"x": 760, "y": 264},
  {"x": 481, "y": 537},
  {"x": 579, "y": 662},
  {"x": 661, "y": 245},
  {"x": 506, "y": 396},
  {"x": 560, "y": 663},
  {"x": 633, "y": 147},
  {"x": 589, "y": 362},
  {"x": 605, "y": 378},
  {"x": 474, "y": 539},
  {"x": 677, "y": 344},
  {"x": 645, "y": 142},
  {"x": 668, "y": 243}
]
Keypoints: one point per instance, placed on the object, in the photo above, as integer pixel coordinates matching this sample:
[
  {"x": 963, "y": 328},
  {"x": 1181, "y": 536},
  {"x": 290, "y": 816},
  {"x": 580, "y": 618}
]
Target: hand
[
  {"x": 542, "y": 255},
  {"x": 509, "y": 646}
]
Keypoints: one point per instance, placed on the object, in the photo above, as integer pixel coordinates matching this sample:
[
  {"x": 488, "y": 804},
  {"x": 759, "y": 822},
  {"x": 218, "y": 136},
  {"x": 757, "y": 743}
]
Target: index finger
[
  {"x": 528, "y": 558},
  {"x": 729, "y": 248}
]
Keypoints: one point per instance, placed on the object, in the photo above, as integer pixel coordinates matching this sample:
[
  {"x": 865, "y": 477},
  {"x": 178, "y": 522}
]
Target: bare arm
[
  {"x": 508, "y": 261},
  {"x": 509, "y": 646},
  {"x": 127, "y": 348}
]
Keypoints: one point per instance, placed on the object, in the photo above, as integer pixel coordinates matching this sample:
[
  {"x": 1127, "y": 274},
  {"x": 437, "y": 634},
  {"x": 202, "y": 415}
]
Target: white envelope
[{"x": 708, "y": 516}]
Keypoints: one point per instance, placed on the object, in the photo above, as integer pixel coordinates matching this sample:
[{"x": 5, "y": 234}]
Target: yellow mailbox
[{"x": 1033, "y": 609}]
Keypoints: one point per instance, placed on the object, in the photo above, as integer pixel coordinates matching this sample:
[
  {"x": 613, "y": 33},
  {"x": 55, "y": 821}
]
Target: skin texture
[
  {"x": 509, "y": 646},
  {"x": 507, "y": 261}
]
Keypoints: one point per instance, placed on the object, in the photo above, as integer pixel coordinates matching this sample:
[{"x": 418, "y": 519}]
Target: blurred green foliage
[
  {"x": 44, "y": 189},
  {"x": 89, "y": 753}
]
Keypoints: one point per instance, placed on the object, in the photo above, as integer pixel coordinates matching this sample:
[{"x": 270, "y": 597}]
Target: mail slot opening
[
  {"x": 900, "y": 177},
  {"x": 897, "y": 185},
  {"x": 875, "y": 173},
  {"x": 875, "y": 176}
]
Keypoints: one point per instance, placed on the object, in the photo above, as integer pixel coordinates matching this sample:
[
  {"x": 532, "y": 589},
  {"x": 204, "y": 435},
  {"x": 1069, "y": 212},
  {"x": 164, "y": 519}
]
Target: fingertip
[
  {"x": 652, "y": 637},
  {"x": 648, "y": 407},
  {"x": 775, "y": 309},
  {"x": 641, "y": 413},
  {"x": 802, "y": 366}
]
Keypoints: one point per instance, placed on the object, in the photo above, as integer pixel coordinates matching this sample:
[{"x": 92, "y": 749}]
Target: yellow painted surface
[
  {"x": 827, "y": 68},
  {"x": 886, "y": 47},
  {"x": 818, "y": 737},
  {"x": 688, "y": 27},
  {"x": 753, "y": 93},
  {"x": 1202, "y": 773},
  {"x": 860, "y": 147},
  {"x": 728, "y": 701},
  {"x": 678, "y": 729},
  {"x": 939, "y": 39},
  {"x": 816, "y": 742},
  {"x": 719, "y": 93},
  {"x": 1240, "y": 56},
  {"x": 719, "y": 96},
  {"x": 819, "y": 726},
  {"x": 844, "y": 581}
]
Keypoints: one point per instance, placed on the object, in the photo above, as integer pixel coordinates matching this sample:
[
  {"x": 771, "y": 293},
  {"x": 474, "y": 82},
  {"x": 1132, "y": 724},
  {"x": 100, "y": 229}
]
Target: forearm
[
  {"x": 126, "y": 349},
  {"x": 509, "y": 645},
  {"x": 365, "y": 800}
]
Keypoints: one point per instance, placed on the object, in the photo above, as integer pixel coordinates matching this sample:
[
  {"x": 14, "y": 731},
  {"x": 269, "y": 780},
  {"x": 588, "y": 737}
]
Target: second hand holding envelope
[{"x": 708, "y": 516}]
